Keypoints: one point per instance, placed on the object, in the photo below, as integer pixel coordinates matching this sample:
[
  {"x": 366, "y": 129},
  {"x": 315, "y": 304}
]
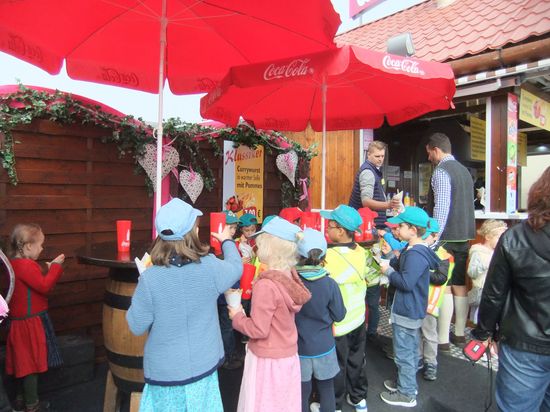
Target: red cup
[
  {"x": 123, "y": 256},
  {"x": 217, "y": 223},
  {"x": 246, "y": 280},
  {"x": 123, "y": 228},
  {"x": 311, "y": 220}
]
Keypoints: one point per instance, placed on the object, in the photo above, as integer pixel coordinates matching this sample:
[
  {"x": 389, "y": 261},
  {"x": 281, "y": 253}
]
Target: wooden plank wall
[
  {"x": 342, "y": 164},
  {"x": 75, "y": 187}
]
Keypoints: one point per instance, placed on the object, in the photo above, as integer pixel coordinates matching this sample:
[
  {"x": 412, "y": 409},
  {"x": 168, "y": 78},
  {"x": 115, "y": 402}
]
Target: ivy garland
[{"x": 131, "y": 135}]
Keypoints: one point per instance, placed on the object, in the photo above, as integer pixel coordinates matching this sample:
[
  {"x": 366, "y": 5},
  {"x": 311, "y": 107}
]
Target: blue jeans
[
  {"x": 523, "y": 381},
  {"x": 405, "y": 348},
  {"x": 373, "y": 302}
]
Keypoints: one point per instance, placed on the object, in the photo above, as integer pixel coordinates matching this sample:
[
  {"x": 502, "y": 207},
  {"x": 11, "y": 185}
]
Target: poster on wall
[
  {"x": 512, "y": 153},
  {"x": 243, "y": 179},
  {"x": 534, "y": 110}
]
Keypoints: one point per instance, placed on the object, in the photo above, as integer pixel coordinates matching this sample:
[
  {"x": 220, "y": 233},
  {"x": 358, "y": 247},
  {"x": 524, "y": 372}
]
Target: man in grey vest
[
  {"x": 451, "y": 203},
  {"x": 368, "y": 191}
]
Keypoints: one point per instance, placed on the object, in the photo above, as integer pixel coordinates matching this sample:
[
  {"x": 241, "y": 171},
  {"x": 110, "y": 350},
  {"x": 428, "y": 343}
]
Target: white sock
[
  {"x": 444, "y": 320},
  {"x": 461, "y": 314}
]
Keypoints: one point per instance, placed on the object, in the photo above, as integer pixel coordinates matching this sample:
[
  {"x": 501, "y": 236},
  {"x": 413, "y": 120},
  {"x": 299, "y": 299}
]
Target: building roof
[{"x": 465, "y": 27}]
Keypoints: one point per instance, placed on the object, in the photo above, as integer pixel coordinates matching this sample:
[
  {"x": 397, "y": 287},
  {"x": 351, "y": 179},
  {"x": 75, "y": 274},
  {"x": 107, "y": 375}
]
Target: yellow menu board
[
  {"x": 534, "y": 110},
  {"x": 477, "y": 138}
]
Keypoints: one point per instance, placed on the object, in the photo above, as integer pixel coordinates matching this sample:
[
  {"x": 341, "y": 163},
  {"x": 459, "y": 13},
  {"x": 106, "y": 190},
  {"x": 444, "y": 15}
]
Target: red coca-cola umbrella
[
  {"x": 342, "y": 89},
  {"x": 139, "y": 44}
]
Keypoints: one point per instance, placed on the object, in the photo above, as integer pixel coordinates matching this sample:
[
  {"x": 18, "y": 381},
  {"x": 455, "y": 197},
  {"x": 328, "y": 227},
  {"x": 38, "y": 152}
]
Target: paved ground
[{"x": 460, "y": 386}]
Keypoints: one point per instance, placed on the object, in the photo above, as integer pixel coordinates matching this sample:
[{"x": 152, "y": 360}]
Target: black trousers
[{"x": 352, "y": 378}]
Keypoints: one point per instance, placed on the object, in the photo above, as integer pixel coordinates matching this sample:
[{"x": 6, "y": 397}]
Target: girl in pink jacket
[{"x": 271, "y": 378}]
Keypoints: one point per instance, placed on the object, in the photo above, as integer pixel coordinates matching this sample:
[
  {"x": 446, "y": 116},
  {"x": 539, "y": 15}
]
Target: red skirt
[{"x": 26, "y": 347}]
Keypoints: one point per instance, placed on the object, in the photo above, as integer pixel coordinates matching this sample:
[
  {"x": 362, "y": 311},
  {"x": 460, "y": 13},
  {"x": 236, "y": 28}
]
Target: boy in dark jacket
[
  {"x": 411, "y": 278},
  {"x": 316, "y": 346}
]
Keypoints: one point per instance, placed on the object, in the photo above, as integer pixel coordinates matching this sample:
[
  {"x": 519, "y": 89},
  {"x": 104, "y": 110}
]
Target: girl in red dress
[{"x": 30, "y": 346}]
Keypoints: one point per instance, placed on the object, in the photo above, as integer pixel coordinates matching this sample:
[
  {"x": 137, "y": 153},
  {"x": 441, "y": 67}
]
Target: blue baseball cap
[
  {"x": 175, "y": 219},
  {"x": 280, "y": 228},
  {"x": 267, "y": 219},
  {"x": 248, "y": 219},
  {"x": 346, "y": 216},
  {"x": 433, "y": 226},
  {"x": 230, "y": 217},
  {"x": 313, "y": 239},
  {"x": 412, "y": 215}
]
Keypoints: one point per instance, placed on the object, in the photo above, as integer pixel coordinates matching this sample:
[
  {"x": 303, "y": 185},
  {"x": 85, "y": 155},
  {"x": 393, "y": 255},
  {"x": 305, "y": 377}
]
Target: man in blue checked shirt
[{"x": 451, "y": 203}]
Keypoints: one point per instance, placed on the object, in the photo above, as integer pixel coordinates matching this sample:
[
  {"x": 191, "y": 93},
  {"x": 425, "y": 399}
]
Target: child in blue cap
[
  {"x": 316, "y": 345},
  {"x": 410, "y": 277},
  {"x": 271, "y": 377},
  {"x": 247, "y": 225},
  {"x": 350, "y": 266},
  {"x": 175, "y": 303}
]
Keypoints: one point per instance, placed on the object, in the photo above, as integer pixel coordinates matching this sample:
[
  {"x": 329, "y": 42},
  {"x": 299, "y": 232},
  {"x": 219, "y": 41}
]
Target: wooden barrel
[{"x": 124, "y": 350}]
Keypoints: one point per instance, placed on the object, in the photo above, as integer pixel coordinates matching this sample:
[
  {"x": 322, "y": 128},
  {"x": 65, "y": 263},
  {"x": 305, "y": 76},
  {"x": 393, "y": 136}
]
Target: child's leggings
[
  {"x": 326, "y": 395},
  {"x": 27, "y": 388}
]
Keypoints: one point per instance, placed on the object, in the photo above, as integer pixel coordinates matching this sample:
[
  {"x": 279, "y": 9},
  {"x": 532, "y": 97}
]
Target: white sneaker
[
  {"x": 315, "y": 407},
  {"x": 359, "y": 407}
]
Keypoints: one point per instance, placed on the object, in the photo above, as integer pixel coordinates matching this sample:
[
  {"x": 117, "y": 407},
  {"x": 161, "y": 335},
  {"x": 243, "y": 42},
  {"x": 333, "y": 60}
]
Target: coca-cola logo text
[
  {"x": 296, "y": 68},
  {"x": 403, "y": 65},
  {"x": 110, "y": 75},
  {"x": 21, "y": 48}
]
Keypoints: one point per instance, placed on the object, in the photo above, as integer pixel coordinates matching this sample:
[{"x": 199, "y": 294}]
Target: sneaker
[
  {"x": 315, "y": 407},
  {"x": 398, "y": 399},
  {"x": 18, "y": 405},
  {"x": 391, "y": 385},
  {"x": 39, "y": 407},
  {"x": 444, "y": 347},
  {"x": 430, "y": 372},
  {"x": 459, "y": 341},
  {"x": 420, "y": 365},
  {"x": 361, "y": 406}
]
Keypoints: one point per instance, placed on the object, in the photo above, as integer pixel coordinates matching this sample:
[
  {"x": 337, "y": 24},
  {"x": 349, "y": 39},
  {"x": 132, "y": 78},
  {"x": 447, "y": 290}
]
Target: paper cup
[
  {"x": 233, "y": 297},
  {"x": 246, "y": 280},
  {"x": 217, "y": 223},
  {"x": 123, "y": 228}
]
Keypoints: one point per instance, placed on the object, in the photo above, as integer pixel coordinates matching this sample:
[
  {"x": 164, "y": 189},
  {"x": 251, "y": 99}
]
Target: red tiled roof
[{"x": 466, "y": 27}]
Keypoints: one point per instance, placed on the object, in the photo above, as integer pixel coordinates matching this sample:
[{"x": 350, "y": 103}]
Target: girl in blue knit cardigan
[{"x": 175, "y": 303}]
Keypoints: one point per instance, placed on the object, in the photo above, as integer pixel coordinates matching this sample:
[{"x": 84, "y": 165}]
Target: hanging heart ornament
[
  {"x": 170, "y": 160},
  {"x": 287, "y": 164},
  {"x": 192, "y": 183}
]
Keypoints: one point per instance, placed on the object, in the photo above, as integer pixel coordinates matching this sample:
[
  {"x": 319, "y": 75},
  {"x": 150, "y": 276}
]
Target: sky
[{"x": 136, "y": 103}]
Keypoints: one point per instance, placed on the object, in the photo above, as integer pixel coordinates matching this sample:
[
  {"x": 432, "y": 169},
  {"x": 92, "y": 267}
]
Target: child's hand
[
  {"x": 224, "y": 235},
  {"x": 385, "y": 248},
  {"x": 234, "y": 311},
  {"x": 384, "y": 265},
  {"x": 246, "y": 259},
  {"x": 59, "y": 259},
  {"x": 381, "y": 232},
  {"x": 244, "y": 240}
]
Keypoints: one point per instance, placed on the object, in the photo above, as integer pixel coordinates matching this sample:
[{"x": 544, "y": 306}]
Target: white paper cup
[
  {"x": 233, "y": 297},
  {"x": 384, "y": 262}
]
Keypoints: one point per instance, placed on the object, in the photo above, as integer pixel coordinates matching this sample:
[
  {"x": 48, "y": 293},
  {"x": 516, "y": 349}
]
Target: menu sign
[
  {"x": 477, "y": 138},
  {"x": 534, "y": 110}
]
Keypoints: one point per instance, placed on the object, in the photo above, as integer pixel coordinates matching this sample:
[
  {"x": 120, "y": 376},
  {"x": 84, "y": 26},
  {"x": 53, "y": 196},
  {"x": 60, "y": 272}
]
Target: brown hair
[
  {"x": 189, "y": 247},
  {"x": 22, "y": 234},
  {"x": 376, "y": 144},
  {"x": 313, "y": 258},
  {"x": 538, "y": 202},
  {"x": 441, "y": 141}
]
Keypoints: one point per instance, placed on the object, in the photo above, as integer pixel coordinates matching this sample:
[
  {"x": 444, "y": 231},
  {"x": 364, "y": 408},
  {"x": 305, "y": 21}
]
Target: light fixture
[{"x": 401, "y": 45}]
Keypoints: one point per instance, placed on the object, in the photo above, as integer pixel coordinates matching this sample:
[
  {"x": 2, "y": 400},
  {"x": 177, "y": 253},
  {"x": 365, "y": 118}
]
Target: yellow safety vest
[
  {"x": 435, "y": 293},
  {"x": 348, "y": 268}
]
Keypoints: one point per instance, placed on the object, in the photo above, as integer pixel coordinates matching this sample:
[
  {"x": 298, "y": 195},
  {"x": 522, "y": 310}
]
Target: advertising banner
[
  {"x": 534, "y": 110},
  {"x": 243, "y": 179},
  {"x": 512, "y": 153}
]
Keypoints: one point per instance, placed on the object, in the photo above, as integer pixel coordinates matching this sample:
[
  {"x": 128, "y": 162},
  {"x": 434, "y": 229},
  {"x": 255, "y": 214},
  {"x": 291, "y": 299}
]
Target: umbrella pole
[
  {"x": 159, "y": 134},
  {"x": 324, "y": 151}
]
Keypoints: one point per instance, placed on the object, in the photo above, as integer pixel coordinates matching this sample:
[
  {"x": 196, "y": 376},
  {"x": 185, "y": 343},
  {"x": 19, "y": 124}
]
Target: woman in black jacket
[{"x": 515, "y": 307}]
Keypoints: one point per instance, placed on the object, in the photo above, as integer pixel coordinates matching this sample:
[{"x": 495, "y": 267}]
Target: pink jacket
[{"x": 276, "y": 298}]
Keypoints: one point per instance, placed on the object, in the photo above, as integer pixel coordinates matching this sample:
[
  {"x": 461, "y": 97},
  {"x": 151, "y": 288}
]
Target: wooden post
[
  {"x": 111, "y": 400},
  {"x": 135, "y": 399},
  {"x": 498, "y": 142}
]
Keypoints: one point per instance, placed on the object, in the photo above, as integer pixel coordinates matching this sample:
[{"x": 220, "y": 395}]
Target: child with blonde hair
[
  {"x": 30, "y": 347},
  {"x": 175, "y": 303},
  {"x": 480, "y": 257},
  {"x": 271, "y": 377}
]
